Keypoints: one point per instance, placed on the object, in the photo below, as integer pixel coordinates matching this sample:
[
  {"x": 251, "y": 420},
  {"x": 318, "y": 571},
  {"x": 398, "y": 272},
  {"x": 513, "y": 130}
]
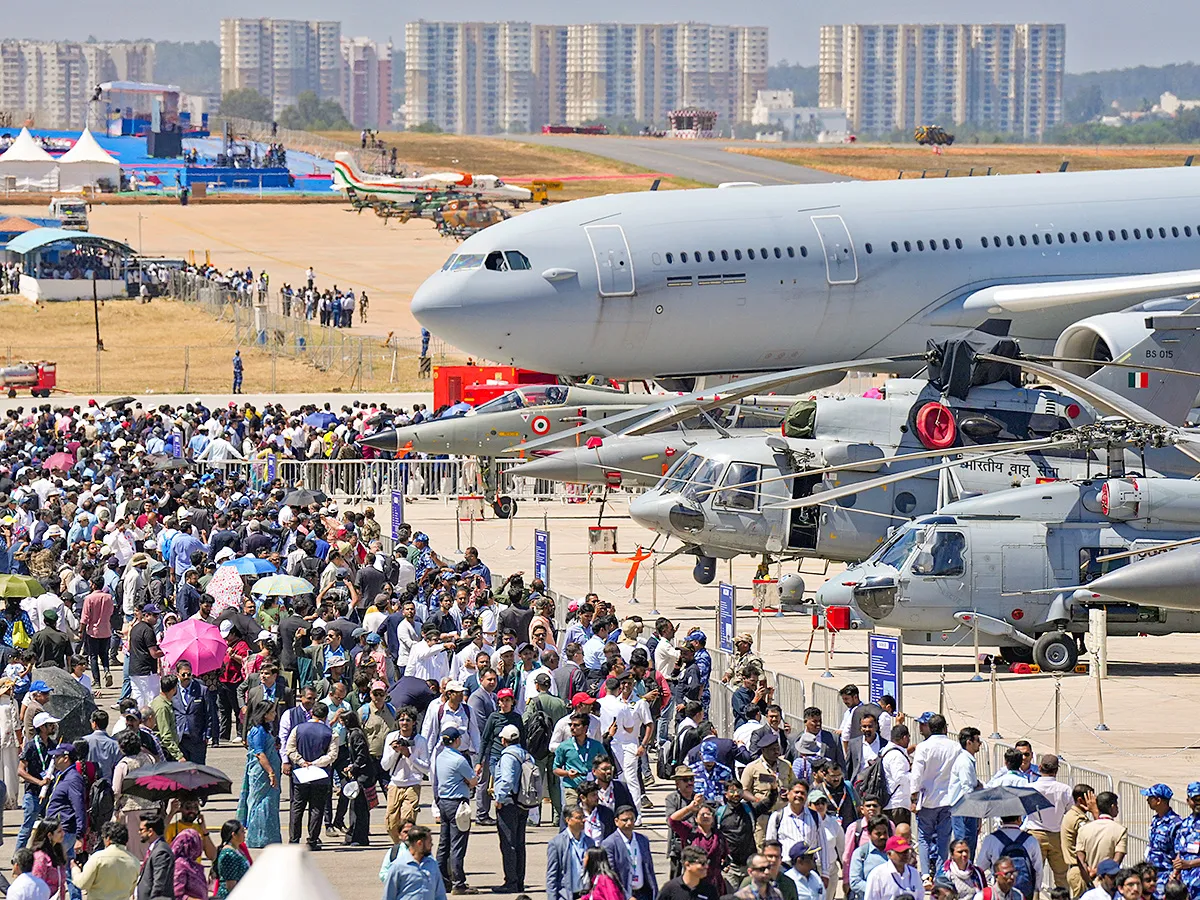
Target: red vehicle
[
  {"x": 39, "y": 378},
  {"x": 478, "y": 384},
  {"x": 574, "y": 129}
]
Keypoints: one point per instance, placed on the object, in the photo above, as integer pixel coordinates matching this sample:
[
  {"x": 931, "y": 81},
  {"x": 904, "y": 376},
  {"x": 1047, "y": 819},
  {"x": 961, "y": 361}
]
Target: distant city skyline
[{"x": 1104, "y": 34}]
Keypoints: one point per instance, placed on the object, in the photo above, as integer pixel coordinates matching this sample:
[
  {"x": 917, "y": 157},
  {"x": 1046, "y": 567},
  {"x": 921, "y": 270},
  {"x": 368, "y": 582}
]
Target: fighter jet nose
[
  {"x": 381, "y": 440},
  {"x": 554, "y": 467}
]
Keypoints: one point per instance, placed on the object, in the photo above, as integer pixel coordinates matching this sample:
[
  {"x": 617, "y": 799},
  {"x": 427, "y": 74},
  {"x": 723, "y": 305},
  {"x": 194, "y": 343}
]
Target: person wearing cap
[
  {"x": 898, "y": 876},
  {"x": 453, "y": 785},
  {"x": 378, "y": 719},
  {"x": 1186, "y": 865},
  {"x": 1104, "y": 885},
  {"x": 34, "y": 767},
  {"x": 832, "y": 843},
  {"x": 542, "y": 714},
  {"x": 1160, "y": 846},
  {"x": 1046, "y": 824},
  {"x": 491, "y": 745},
  {"x": 803, "y": 872},
  {"x": 144, "y": 654},
  {"x": 702, "y": 659},
  {"x": 711, "y": 775},
  {"x": 68, "y": 799},
  {"x": 50, "y": 647},
  {"x": 450, "y": 710},
  {"x": 767, "y": 774},
  {"x": 743, "y": 658},
  {"x": 511, "y": 817}
]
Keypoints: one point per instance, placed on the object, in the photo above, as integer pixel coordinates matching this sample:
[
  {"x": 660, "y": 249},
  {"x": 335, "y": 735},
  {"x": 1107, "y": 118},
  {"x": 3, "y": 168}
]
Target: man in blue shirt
[
  {"x": 475, "y": 566},
  {"x": 869, "y": 855},
  {"x": 1160, "y": 848},
  {"x": 456, "y": 781},
  {"x": 414, "y": 875},
  {"x": 574, "y": 757},
  {"x": 511, "y": 817},
  {"x": 593, "y": 648}
]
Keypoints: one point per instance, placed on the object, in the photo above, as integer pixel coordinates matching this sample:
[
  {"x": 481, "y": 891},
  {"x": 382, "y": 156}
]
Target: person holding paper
[{"x": 312, "y": 748}]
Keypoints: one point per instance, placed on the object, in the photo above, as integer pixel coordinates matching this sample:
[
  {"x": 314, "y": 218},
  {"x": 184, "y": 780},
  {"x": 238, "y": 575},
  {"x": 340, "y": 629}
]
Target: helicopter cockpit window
[
  {"x": 733, "y": 493},
  {"x": 551, "y": 395},
  {"x": 898, "y": 547},
  {"x": 705, "y": 477},
  {"x": 944, "y": 559},
  {"x": 678, "y": 477},
  {"x": 1090, "y": 567}
]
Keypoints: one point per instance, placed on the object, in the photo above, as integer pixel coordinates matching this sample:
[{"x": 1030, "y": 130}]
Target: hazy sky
[{"x": 1101, "y": 34}]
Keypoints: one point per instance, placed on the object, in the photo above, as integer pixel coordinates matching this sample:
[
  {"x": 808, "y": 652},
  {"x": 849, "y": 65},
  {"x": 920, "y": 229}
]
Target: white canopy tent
[
  {"x": 86, "y": 163},
  {"x": 26, "y": 166}
]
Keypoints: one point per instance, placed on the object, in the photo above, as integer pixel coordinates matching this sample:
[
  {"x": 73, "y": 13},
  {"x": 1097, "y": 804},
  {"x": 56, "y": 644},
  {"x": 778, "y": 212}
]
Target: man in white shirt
[
  {"x": 897, "y": 876},
  {"x": 896, "y": 769},
  {"x": 25, "y": 885},
  {"x": 930, "y": 778},
  {"x": 427, "y": 659},
  {"x": 406, "y": 762},
  {"x": 796, "y": 823},
  {"x": 1046, "y": 824},
  {"x": 964, "y": 778}
]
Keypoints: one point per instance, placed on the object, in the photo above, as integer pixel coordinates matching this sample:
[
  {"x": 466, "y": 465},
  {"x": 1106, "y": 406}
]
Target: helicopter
[
  {"x": 728, "y": 497},
  {"x": 1026, "y": 565}
]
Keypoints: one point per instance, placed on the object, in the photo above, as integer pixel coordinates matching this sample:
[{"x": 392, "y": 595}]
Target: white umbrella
[{"x": 282, "y": 870}]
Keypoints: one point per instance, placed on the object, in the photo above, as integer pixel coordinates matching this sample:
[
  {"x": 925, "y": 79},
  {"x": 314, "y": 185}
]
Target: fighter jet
[
  {"x": 753, "y": 279},
  {"x": 352, "y": 181}
]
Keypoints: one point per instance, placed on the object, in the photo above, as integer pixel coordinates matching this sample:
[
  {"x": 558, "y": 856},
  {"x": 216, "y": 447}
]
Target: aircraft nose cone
[
  {"x": 437, "y": 303},
  {"x": 834, "y": 592},
  {"x": 555, "y": 467},
  {"x": 1167, "y": 581},
  {"x": 381, "y": 440},
  {"x": 667, "y": 513}
]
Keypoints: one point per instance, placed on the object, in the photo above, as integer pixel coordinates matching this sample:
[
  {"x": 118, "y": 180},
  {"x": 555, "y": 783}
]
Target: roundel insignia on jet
[{"x": 540, "y": 425}]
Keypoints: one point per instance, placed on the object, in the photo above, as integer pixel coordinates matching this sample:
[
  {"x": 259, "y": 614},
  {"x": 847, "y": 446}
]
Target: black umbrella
[
  {"x": 118, "y": 402},
  {"x": 164, "y": 463},
  {"x": 1002, "y": 800},
  {"x": 304, "y": 497},
  {"x": 69, "y": 702},
  {"x": 243, "y": 624},
  {"x": 166, "y": 781}
]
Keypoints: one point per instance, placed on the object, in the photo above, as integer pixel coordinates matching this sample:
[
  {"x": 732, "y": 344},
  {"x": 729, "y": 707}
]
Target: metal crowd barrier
[
  {"x": 825, "y": 698},
  {"x": 789, "y": 694}
]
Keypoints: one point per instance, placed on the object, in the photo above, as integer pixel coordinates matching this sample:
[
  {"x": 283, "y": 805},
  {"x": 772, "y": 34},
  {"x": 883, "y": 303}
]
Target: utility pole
[{"x": 96, "y": 310}]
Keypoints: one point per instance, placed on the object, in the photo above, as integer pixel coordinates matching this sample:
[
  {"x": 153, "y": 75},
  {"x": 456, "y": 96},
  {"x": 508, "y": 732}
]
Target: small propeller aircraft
[{"x": 352, "y": 181}]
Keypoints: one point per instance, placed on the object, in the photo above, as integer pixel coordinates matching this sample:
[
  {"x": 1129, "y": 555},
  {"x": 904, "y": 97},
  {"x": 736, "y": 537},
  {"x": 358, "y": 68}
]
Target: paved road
[{"x": 705, "y": 161}]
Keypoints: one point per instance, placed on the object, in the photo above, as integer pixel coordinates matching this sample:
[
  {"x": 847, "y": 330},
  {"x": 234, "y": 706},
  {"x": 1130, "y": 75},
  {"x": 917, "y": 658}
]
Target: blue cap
[
  {"x": 373, "y": 639},
  {"x": 1160, "y": 790},
  {"x": 63, "y": 750},
  {"x": 451, "y": 734},
  {"x": 799, "y": 849},
  {"x": 924, "y": 717},
  {"x": 696, "y": 635},
  {"x": 1193, "y": 787},
  {"x": 1108, "y": 867},
  {"x": 421, "y": 536},
  {"x": 708, "y": 751},
  {"x": 40, "y": 687},
  {"x": 151, "y": 609}
]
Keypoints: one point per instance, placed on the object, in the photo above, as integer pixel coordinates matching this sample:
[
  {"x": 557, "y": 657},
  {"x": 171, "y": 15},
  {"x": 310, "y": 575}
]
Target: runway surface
[{"x": 705, "y": 161}]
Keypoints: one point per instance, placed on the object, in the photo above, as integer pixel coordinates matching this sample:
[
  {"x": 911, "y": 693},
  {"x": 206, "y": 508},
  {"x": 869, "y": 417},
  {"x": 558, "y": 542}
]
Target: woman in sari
[
  {"x": 259, "y": 805},
  {"x": 189, "y": 881},
  {"x": 231, "y": 864}
]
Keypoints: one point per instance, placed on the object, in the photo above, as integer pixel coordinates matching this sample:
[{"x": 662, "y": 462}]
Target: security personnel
[
  {"x": 1187, "y": 844},
  {"x": 1160, "y": 848}
]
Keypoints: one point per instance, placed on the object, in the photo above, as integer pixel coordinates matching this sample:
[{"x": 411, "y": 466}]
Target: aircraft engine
[{"x": 1102, "y": 338}]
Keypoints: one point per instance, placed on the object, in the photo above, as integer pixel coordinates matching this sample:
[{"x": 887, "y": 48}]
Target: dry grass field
[
  {"x": 517, "y": 160},
  {"x": 163, "y": 347},
  {"x": 881, "y": 163}
]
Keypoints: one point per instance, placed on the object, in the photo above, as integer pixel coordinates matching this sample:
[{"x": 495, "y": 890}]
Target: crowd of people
[
  {"x": 330, "y": 306},
  {"x": 10, "y": 278},
  {"x": 80, "y": 263},
  {"x": 406, "y": 677}
]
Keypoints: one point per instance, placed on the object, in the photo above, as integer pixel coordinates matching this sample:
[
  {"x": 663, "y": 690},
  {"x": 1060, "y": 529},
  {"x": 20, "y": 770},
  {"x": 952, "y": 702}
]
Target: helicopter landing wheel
[
  {"x": 504, "y": 507},
  {"x": 1056, "y": 651},
  {"x": 1016, "y": 654}
]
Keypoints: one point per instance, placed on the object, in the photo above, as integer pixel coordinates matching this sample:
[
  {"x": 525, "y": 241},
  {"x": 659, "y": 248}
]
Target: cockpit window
[
  {"x": 733, "y": 493},
  {"x": 679, "y": 476},
  {"x": 945, "y": 558},
  {"x": 897, "y": 548},
  {"x": 496, "y": 262},
  {"x": 450, "y": 262},
  {"x": 552, "y": 395},
  {"x": 467, "y": 261},
  {"x": 516, "y": 259},
  {"x": 503, "y": 403},
  {"x": 704, "y": 478}
]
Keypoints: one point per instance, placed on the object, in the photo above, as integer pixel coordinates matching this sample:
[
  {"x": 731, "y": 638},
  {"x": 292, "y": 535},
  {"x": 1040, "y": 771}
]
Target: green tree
[
  {"x": 246, "y": 103},
  {"x": 427, "y": 128},
  {"x": 800, "y": 80},
  {"x": 1084, "y": 106},
  {"x": 312, "y": 114}
]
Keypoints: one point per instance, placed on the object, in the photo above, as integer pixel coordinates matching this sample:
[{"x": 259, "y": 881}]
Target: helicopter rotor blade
[
  {"x": 1010, "y": 446},
  {"x": 1104, "y": 365},
  {"x": 675, "y": 409},
  {"x": 818, "y": 498}
]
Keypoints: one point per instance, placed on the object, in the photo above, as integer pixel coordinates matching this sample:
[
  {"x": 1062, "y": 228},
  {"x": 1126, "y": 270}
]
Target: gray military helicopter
[
  {"x": 743, "y": 495},
  {"x": 1024, "y": 566}
]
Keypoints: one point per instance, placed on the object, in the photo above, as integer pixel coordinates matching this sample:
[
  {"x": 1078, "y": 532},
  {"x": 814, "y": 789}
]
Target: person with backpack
[
  {"x": 516, "y": 788},
  {"x": 542, "y": 713},
  {"x": 1010, "y": 841}
]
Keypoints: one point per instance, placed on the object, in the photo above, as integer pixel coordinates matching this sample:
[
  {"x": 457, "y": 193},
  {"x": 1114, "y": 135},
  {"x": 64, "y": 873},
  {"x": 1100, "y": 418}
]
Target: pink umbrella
[
  {"x": 60, "y": 461},
  {"x": 227, "y": 589},
  {"x": 196, "y": 642}
]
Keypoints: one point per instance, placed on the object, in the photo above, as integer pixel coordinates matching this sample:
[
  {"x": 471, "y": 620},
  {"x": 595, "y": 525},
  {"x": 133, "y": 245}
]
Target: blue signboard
[
  {"x": 272, "y": 467},
  {"x": 541, "y": 556},
  {"x": 884, "y": 663},
  {"x": 397, "y": 513},
  {"x": 726, "y": 616},
  {"x": 174, "y": 445}
]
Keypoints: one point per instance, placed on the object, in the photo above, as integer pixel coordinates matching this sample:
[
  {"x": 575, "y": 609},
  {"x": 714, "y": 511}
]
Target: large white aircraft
[
  {"x": 351, "y": 180},
  {"x": 748, "y": 278}
]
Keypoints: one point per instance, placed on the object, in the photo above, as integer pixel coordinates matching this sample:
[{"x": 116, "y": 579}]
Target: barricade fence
[
  {"x": 262, "y": 320},
  {"x": 369, "y": 158}
]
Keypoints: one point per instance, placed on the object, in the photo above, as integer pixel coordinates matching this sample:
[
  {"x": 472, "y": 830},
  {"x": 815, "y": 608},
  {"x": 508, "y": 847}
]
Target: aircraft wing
[
  {"x": 1018, "y": 298},
  {"x": 684, "y": 406}
]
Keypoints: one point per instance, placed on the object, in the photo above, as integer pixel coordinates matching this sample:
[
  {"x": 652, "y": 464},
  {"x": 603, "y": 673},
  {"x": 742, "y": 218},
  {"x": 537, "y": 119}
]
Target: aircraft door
[
  {"x": 939, "y": 575},
  {"x": 841, "y": 263},
  {"x": 614, "y": 266}
]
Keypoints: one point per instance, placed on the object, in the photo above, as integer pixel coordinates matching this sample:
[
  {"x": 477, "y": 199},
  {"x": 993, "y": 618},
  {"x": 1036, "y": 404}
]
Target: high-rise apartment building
[
  {"x": 367, "y": 82},
  {"x": 1005, "y": 78},
  {"x": 578, "y": 73},
  {"x": 52, "y": 82},
  {"x": 282, "y": 58},
  {"x": 469, "y": 77}
]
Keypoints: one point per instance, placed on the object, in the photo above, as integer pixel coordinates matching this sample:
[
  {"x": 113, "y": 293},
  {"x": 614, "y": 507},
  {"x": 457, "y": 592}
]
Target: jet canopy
[{"x": 526, "y": 398}]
